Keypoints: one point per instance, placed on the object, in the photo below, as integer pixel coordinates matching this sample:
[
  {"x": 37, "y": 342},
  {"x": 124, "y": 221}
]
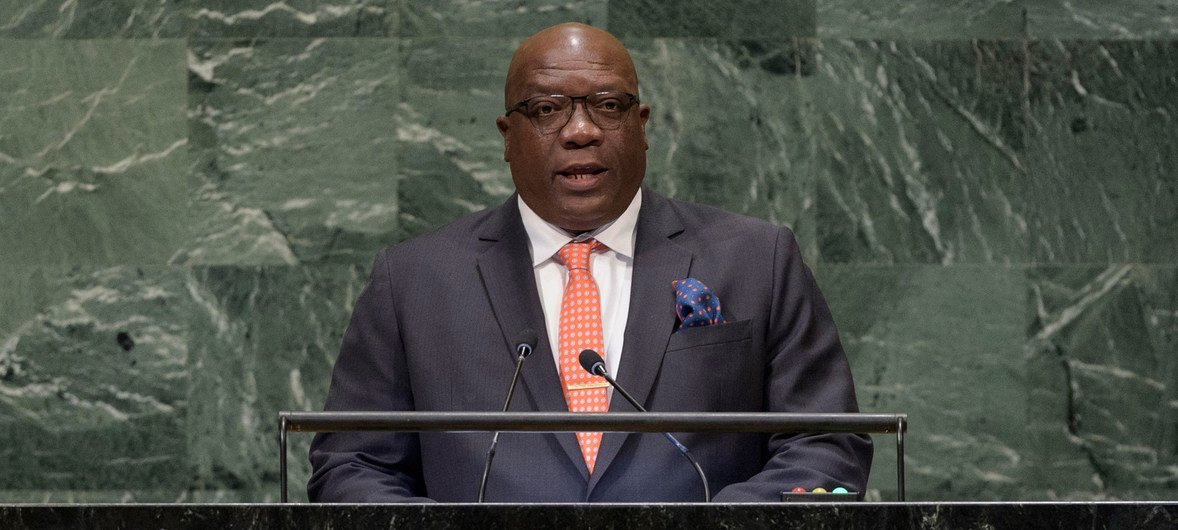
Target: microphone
[
  {"x": 594, "y": 364},
  {"x": 523, "y": 348}
]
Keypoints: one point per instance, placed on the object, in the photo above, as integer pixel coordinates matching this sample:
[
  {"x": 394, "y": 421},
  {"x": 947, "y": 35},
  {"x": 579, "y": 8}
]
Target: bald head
[{"x": 561, "y": 48}]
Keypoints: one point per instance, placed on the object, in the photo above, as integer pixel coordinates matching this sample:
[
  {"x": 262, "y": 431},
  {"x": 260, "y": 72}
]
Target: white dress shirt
[{"x": 612, "y": 269}]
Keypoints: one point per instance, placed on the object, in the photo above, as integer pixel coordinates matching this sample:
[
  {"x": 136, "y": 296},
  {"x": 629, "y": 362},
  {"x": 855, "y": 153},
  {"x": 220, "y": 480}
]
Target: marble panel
[
  {"x": 921, "y": 19},
  {"x": 92, "y": 151},
  {"x": 726, "y": 126},
  {"x": 93, "y": 19},
  {"x": 290, "y": 18},
  {"x": 734, "y": 19},
  {"x": 265, "y": 341},
  {"x": 920, "y": 151},
  {"x": 1088, "y": 19},
  {"x": 943, "y": 345},
  {"x": 1102, "y": 154},
  {"x": 450, "y": 152},
  {"x": 493, "y": 18},
  {"x": 1102, "y": 355},
  {"x": 293, "y": 147},
  {"x": 93, "y": 384},
  {"x": 27, "y": 290}
]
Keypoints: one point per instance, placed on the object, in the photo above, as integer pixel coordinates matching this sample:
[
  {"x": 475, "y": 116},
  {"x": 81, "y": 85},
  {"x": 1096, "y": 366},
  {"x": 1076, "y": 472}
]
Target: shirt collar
[{"x": 545, "y": 239}]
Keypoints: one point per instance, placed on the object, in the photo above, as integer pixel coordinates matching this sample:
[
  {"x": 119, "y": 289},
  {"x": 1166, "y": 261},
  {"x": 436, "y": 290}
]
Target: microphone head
[
  {"x": 526, "y": 342},
  {"x": 591, "y": 361}
]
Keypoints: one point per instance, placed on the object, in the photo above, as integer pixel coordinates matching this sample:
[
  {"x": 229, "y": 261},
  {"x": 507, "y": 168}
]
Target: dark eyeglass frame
[{"x": 630, "y": 99}]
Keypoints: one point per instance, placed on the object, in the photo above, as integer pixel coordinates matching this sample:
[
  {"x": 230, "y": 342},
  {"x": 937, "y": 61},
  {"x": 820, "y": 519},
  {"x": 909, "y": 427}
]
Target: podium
[
  {"x": 780, "y": 516},
  {"x": 648, "y": 422}
]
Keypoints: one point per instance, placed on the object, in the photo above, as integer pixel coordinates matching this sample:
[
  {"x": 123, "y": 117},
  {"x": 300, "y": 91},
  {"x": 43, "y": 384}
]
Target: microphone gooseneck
[
  {"x": 594, "y": 364},
  {"x": 523, "y": 348}
]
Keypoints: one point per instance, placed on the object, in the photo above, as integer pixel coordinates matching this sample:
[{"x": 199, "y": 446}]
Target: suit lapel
[
  {"x": 510, "y": 284},
  {"x": 657, "y": 262}
]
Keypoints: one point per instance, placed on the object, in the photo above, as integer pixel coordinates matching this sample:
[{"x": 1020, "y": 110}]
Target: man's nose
[{"x": 580, "y": 131}]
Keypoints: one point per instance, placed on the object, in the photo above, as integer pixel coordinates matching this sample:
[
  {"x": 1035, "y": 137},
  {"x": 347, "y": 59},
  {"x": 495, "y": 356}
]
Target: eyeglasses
[{"x": 551, "y": 113}]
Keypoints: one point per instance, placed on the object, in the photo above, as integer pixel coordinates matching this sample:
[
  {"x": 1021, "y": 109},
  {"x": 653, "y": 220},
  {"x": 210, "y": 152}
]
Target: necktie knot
[{"x": 575, "y": 254}]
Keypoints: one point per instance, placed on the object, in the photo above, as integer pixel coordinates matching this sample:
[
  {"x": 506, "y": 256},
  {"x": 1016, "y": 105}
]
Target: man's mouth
[{"x": 581, "y": 172}]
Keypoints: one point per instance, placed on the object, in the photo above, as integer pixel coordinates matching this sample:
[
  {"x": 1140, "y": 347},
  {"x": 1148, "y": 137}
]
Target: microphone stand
[
  {"x": 598, "y": 368},
  {"x": 523, "y": 350}
]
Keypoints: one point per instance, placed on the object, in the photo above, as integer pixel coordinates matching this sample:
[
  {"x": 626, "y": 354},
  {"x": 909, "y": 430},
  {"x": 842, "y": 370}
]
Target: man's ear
[
  {"x": 503, "y": 123},
  {"x": 644, "y": 115}
]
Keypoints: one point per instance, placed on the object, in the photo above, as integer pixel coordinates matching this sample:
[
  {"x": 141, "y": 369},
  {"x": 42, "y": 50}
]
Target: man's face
[{"x": 581, "y": 176}]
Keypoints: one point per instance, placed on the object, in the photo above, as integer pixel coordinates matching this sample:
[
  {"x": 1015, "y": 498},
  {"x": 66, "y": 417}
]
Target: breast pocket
[
  {"x": 710, "y": 369},
  {"x": 708, "y": 335}
]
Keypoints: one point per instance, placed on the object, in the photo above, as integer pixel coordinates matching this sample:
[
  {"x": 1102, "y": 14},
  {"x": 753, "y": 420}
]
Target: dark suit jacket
[{"x": 435, "y": 328}]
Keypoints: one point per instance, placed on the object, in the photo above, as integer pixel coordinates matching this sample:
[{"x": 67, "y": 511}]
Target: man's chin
[
  {"x": 577, "y": 212},
  {"x": 582, "y": 221},
  {"x": 583, "y": 213}
]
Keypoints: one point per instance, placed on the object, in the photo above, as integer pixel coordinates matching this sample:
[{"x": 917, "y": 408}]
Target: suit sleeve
[
  {"x": 370, "y": 375},
  {"x": 807, "y": 371}
]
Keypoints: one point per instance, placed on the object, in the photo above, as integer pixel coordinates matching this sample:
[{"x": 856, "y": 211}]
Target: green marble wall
[{"x": 191, "y": 193}]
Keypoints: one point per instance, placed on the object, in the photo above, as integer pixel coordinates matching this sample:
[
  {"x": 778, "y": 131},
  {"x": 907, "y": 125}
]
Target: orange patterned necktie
[{"x": 580, "y": 329}]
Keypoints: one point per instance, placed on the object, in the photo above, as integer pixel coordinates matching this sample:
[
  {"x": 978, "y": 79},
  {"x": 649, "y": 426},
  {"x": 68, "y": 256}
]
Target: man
[{"x": 436, "y": 326}]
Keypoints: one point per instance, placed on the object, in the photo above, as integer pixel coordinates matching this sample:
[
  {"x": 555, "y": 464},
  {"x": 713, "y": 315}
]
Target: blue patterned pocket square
[{"x": 695, "y": 304}]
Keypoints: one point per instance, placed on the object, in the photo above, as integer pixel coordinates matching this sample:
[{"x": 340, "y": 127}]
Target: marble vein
[
  {"x": 212, "y": 308},
  {"x": 121, "y": 166},
  {"x": 492, "y": 179},
  {"x": 22, "y": 15},
  {"x": 1095, "y": 290},
  {"x": 1101, "y": 371},
  {"x": 93, "y": 99},
  {"x": 305, "y": 17},
  {"x": 298, "y": 395},
  {"x": 204, "y": 69},
  {"x": 238, "y": 231}
]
